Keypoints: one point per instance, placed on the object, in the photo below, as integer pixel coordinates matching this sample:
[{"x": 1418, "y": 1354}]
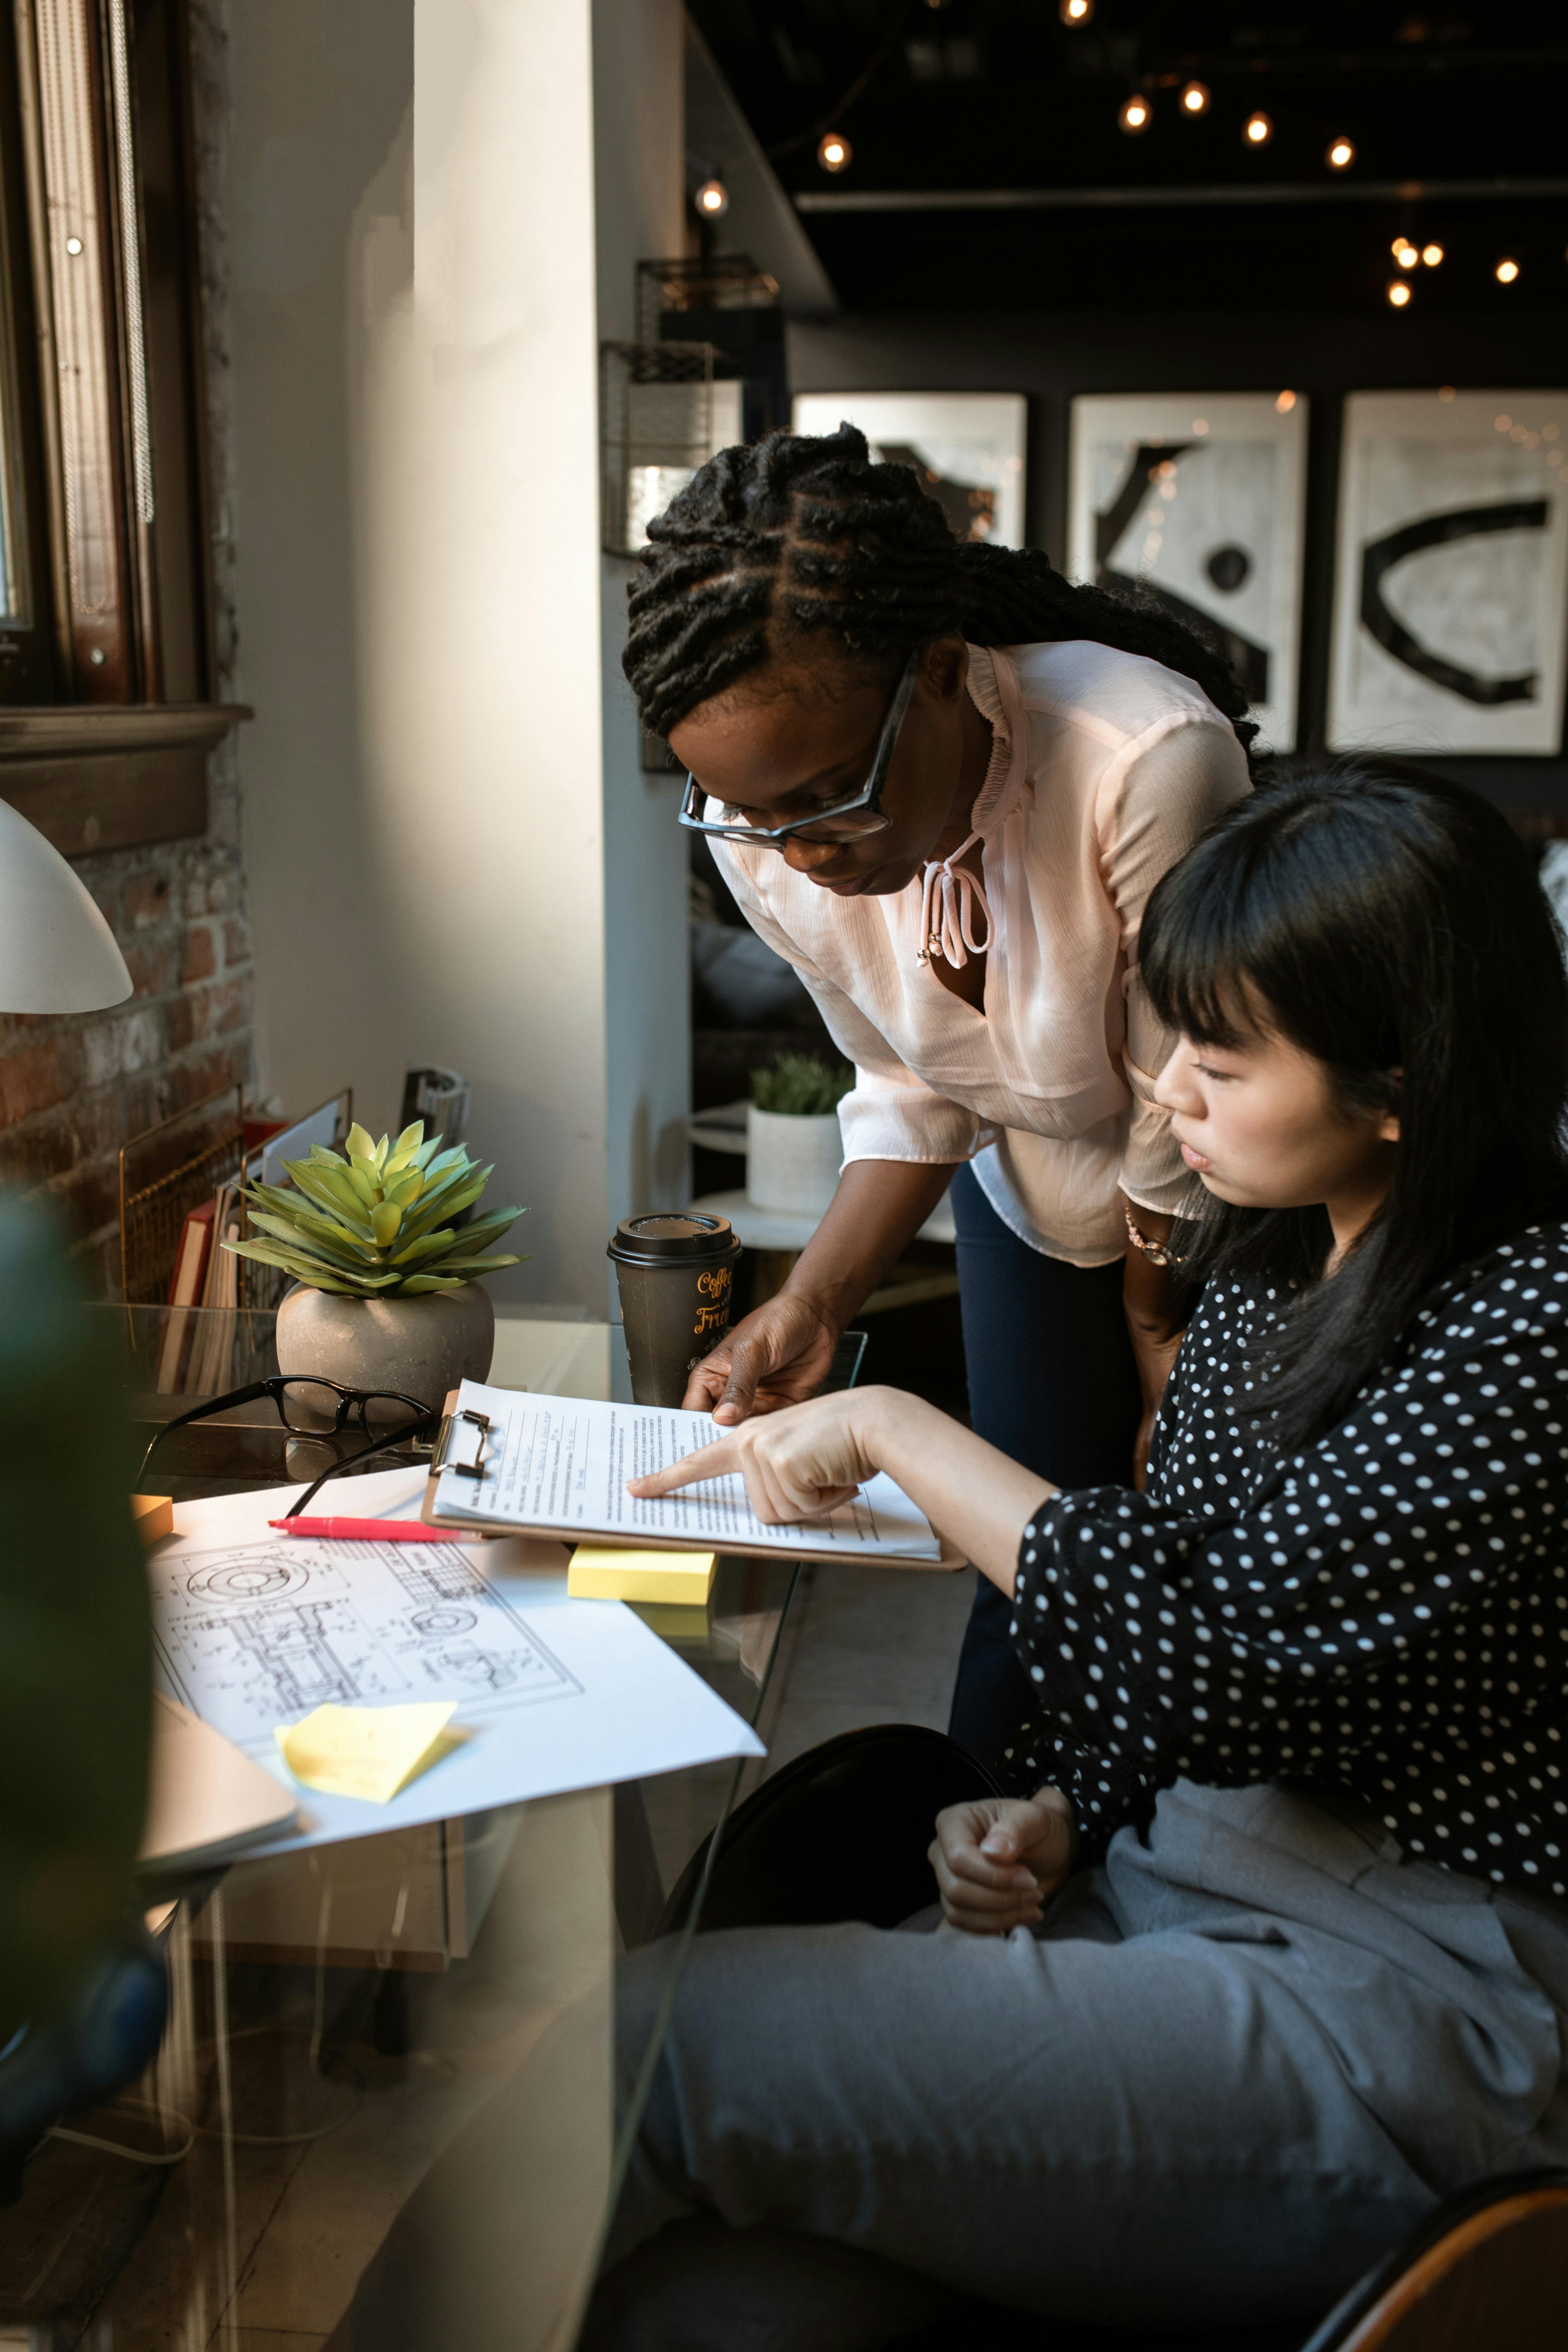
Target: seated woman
[{"x": 1270, "y": 1951}]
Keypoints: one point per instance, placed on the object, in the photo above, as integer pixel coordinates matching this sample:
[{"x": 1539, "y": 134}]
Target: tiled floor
[
  {"x": 860, "y": 1645},
  {"x": 866, "y": 1645}
]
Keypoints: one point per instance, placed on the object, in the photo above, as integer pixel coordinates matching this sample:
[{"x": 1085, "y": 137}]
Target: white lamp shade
[{"x": 57, "y": 952}]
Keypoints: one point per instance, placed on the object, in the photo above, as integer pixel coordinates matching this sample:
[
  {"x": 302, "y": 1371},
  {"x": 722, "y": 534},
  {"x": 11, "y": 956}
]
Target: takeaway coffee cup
[{"x": 674, "y": 1268}]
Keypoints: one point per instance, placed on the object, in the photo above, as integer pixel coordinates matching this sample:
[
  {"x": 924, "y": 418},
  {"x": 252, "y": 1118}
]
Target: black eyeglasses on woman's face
[
  {"x": 849, "y": 818},
  {"x": 316, "y": 1408}
]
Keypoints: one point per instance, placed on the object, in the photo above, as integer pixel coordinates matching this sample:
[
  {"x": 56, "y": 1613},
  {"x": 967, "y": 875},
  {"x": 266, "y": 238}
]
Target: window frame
[{"x": 107, "y": 707}]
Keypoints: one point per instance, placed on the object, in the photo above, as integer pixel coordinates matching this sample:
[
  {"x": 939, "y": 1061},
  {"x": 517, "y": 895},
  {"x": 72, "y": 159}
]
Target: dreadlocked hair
[{"x": 793, "y": 534}]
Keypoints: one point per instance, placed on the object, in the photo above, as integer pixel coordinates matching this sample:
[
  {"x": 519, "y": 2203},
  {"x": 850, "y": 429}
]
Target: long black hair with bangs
[{"x": 1392, "y": 925}]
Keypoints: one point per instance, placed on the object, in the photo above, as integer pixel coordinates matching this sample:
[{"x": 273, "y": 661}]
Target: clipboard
[{"x": 947, "y": 1562}]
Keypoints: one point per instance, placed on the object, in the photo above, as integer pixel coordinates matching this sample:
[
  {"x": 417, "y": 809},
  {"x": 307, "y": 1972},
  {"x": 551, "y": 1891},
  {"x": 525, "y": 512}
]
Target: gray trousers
[{"x": 1229, "y": 2071}]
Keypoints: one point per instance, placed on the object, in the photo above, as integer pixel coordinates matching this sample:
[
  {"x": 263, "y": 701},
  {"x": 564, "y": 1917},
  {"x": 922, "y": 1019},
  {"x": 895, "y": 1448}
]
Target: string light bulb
[
  {"x": 1399, "y": 293},
  {"x": 1195, "y": 98},
  {"x": 1506, "y": 272},
  {"x": 1431, "y": 255},
  {"x": 1136, "y": 115},
  {"x": 1075, "y": 12},
  {"x": 1405, "y": 253},
  {"x": 1341, "y": 154},
  {"x": 833, "y": 151},
  {"x": 1258, "y": 131}
]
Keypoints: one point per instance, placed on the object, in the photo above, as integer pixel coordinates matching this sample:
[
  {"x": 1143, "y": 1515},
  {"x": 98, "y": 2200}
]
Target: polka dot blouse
[{"x": 1384, "y": 1613}]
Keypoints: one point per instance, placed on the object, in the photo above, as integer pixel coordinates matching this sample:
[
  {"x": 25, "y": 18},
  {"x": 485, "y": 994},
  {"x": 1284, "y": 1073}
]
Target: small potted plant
[
  {"x": 793, "y": 1144},
  {"x": 387, "y": 1296}
]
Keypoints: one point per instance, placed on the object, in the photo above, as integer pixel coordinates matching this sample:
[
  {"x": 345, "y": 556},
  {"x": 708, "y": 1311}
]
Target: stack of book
[
  {"x": 196, "y": 1355},
  {"x": 198, "y": 1349}
]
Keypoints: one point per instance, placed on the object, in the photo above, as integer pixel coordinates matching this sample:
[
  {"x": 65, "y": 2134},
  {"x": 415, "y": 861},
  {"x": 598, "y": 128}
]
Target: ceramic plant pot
[
  {"x": 792, "y": 1162},
  {"x": 419, "y": 1346}
]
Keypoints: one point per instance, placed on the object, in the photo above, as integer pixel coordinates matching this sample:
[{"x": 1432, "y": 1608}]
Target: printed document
[
  {"x": 253, "y": 1630},
  {"x": 563, "y": 1462}
]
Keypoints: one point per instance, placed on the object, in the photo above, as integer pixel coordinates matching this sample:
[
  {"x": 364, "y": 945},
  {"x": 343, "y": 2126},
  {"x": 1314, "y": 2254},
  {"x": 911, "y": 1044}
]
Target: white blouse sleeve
[
  {"x": 889, "y": 1113},
  {"x": 1154, "y": 801}
]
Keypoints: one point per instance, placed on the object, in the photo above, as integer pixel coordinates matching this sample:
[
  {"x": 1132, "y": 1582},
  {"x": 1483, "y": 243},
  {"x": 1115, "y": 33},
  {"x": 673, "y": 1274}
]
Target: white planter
[{"x": 792, "y": 1162}]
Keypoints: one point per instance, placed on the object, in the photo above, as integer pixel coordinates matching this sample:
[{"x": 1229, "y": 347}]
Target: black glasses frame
[
  {"x": 350, "y": 1413},
  {"x": 868, "y": 799}
]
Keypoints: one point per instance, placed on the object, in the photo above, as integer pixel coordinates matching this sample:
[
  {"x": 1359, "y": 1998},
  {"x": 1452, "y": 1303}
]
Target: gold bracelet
[{"x": 1157, "y": 1253}]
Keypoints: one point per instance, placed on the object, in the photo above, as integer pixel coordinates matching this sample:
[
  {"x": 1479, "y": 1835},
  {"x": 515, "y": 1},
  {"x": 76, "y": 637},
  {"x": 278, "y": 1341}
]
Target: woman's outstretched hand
[
  {"x": 781, "y": 1353},
  {"x": 796, "y": 1465},
  {"x": 999, "y": 1861},
  {"x": 807, "y": 1459},
  {"x": 777, "y": 1356}
]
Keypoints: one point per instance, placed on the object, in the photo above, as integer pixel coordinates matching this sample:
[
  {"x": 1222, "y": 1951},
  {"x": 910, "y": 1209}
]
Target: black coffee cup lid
[{"x": 666, "y": 1234}]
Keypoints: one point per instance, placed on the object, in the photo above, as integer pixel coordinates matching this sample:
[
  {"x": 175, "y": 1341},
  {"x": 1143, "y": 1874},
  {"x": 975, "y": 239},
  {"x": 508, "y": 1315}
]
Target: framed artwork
[
  {"x": 1451, "y": 572},
  {"x": 968, "y": 447},
  {"x": 1197, "y": 499}
]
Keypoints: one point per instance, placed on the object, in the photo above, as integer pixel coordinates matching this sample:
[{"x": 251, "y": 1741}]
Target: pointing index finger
[{"x": 708, "y": 1462}]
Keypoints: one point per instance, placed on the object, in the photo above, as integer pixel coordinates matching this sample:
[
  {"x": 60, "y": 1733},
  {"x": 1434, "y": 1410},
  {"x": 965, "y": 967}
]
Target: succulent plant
[{"x": 374, "y": 1220}]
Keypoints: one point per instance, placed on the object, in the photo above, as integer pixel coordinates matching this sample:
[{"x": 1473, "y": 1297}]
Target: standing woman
[{"x": 941, "y": 781}]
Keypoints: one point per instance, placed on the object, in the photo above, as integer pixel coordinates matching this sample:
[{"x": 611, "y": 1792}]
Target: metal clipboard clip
[{"x": 447, "y": 1436}]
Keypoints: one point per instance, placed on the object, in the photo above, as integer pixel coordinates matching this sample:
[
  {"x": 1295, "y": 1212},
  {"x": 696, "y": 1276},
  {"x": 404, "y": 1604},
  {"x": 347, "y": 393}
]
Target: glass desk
[{"x": 339, "y": 2017}]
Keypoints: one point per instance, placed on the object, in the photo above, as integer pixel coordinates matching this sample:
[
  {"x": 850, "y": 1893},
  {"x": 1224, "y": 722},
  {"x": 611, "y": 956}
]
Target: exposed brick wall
[{"x": 73, "y": 1089}]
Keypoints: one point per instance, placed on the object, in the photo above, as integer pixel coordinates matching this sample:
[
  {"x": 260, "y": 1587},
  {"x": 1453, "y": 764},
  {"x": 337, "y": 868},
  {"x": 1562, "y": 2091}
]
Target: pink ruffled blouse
[{"x": 1105, "y": 767}]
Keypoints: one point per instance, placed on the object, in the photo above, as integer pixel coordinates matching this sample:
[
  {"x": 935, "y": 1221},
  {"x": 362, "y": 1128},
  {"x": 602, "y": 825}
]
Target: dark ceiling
[{"x": 967, "y": 97}]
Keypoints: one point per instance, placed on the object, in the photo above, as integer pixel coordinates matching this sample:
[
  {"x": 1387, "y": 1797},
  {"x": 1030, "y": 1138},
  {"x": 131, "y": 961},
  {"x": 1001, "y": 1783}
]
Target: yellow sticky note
[
  {"x": 674, "y": 1620},
  {"x": 367, "y": 1751},
  {"x": 604, "y": 1572},
  {"x": 152, "y": 1516}
]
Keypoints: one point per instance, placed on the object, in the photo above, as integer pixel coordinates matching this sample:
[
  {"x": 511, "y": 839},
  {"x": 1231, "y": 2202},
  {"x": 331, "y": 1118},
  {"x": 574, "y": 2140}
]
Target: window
[{"x": 103, "y": 591}]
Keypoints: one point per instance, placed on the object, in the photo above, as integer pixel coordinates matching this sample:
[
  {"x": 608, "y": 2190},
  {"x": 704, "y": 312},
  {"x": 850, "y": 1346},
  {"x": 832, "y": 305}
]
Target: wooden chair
[{"x": 1488, "y": 2270}]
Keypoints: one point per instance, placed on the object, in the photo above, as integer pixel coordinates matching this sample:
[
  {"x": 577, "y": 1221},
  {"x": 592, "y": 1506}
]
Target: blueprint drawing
[{"x": 256, "y": 1634}]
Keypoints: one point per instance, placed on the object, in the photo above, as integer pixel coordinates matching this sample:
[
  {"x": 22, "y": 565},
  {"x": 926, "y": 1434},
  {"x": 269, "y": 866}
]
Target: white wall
[
  {"x": 319, "y": 203},
  {"x": 442, "y": 734},
  {"x": 638, "y": 81}
]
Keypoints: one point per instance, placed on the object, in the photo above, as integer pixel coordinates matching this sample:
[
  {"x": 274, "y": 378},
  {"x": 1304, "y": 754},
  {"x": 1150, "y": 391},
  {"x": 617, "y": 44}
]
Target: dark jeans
[{"x": 1052, "y": 1381}]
